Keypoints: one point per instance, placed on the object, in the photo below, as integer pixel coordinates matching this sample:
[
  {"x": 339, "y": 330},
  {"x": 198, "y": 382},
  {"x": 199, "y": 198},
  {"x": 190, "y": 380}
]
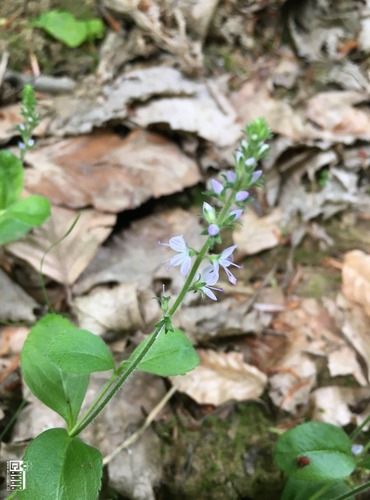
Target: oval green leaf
[
  {"x": 61, "y": 468},
  {"x": 315, "y": 452},
  {"x": 171, "y": 354},
  {"x": 62, "y": 392},
  {"x": 79, "y": 351},
  {"x": 11, "y": 178},
  {"x": 33, "y": 210},
  {"x": 301, "y": 490}
]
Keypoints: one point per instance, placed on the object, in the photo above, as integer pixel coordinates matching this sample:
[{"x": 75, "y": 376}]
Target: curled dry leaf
[
  {"x": 221, "y": 377},
  {"x": 356, "y": 278},
  {"x": 65, "y": 262}
]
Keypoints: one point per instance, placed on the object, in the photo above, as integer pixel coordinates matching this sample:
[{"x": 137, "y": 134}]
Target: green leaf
[
  {"x": 65, "y": 27},
  {"x": 325, "y": 447},
  {"x": 11, "y": 178},
  {"x": 171, "y": 354},
  {"x": 61, "y": 468},
  {"x": 12, "y": 230},
  {"x": 79, "y": 351},
  {"x": 33, "y": 210},
  {"x": 365, "y": 463},
  {"x": 62, "y": 392},
  {"x": 302, "y": 490}
]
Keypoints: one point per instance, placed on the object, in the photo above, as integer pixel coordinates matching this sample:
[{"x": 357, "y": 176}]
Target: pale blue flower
[
  {"x": 209, "y": 212},
  {"x": 241, "y": 195},
  {"x": 236, "y": 213},
  {"x": 231, "y": 176},
  {"x": 226, "y": 260},
  {"x": 256, "y": 175},
  {"x": 213, "y": 230},
  {"x": 209, "y": 277},
  {"x": 183, "y": 259},
  {"x": 217, "y": 186},
  {"x": 250, "y": 162}
]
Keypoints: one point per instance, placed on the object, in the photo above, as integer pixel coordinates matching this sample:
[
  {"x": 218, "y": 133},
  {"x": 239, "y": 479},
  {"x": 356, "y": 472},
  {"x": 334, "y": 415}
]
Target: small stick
[{"x": 136, "y": 435}]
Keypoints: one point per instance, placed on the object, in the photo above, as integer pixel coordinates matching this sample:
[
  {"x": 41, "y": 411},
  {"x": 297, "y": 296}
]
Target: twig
[{"x": 136, "y": 435}]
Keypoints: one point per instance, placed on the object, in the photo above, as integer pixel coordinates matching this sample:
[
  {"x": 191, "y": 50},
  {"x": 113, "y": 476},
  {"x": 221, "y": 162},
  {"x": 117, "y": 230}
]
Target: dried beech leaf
[
  {"x": 356, "y": 278},
  {"x": 221, "y": 377},
  {"x": 65, "y": 262},
  {"x": 109, "y": 172}
]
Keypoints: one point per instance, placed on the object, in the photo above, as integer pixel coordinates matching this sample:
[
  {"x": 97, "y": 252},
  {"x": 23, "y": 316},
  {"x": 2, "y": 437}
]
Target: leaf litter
[{"x": 139, "y": 130}]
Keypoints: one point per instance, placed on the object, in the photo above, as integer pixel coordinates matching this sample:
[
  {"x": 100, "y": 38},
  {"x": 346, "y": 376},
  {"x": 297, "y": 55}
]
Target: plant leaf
[
  {"x": 79, "y": 351},
  {"x": 65, "y": 27},
  {"x": 11, "y": 178},
  {"x": 325, "y": 447},
  {"x": 61, "y": 468},
  {"x": 12, "y": 230},
  {"x": 33, "y": 210},
  {"x": 171, "y": 354},
  {"x": 301, "y": 490},
  {"x": 62, "y": 392}
]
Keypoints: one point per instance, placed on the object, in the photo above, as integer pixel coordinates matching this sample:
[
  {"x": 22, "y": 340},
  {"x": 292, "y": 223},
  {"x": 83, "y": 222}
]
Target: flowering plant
[
  {"x": 19, "y": 215},
  {"x": 58, "y": 358}
]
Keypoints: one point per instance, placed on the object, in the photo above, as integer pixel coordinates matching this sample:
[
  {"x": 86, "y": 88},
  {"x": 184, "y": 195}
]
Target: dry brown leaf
[
  {"x": 336, "y": 114},
  {"x": 134, "y": 256},
  {"x": 119, "y": 309},
  {"x": 15, "y": 304},
  {"x": 221, "y": 377},
  {"x": 356, "y": 278},
  {"x": 355, "y": 325},
  {"x": 109, "y": 172},
  {"x": 257, "y": 233},
  {"x": 12, "y": 339},
  {"x": 70, "y": 257},
  {"x": 344, "y": 362},
  {"x": 10, "y": 116},
  {"x": 255, "y": 98},
  {"x": 333, "y": 404},
  {"x": 309, "y": 329}
]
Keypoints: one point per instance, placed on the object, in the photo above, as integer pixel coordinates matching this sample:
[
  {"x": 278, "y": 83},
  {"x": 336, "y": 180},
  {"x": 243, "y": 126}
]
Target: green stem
[
  {"x": 113, "y": 385},
  {"x": 354, "y": 492},
  {"x": 321, "y": 491},
  {"x": 358, "y": 429}
]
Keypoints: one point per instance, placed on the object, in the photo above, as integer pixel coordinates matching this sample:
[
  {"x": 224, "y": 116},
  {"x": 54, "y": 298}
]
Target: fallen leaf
[
  {"x": 356, "y": 278},
  {"x": 221, "y": 377},
  {"x": 343, "y": 362},
  {"x": 134, "y": 256},
  {"x": 109, "y": 172},
  {"x": 355, "y": 325},
  {"x": 117, "y": 309},
  {"x": 12, "y": 339},
  {"x": 335, "y": 113},
  {"x": 257, "y": 233},
  {"x": 15, "y": 304},
  {"x": 70, "y": 257},
  {"x": 335, "y": 405}
]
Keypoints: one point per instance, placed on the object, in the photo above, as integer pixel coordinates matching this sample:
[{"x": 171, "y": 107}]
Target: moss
[{"x": 226, "y": 458}]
